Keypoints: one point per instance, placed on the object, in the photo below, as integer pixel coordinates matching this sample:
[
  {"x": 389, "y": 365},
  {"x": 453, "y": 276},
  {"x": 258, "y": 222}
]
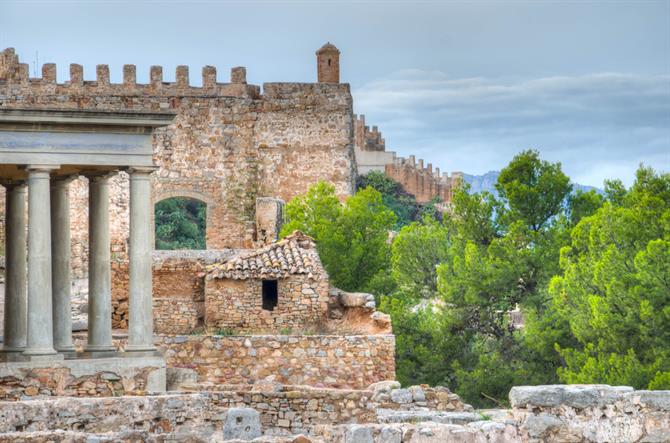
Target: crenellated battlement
[
  {"x": 368, "y": 139},
  {"x": 422, "y": 181},
  {"x": 14, "y": 73}
]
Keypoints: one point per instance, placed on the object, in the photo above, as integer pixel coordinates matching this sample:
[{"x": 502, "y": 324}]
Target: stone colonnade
[{"x": 38, "y": 323}]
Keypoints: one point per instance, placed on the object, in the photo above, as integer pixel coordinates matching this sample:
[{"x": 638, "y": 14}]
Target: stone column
[
  {"x": 40, "y": 321},
  {"x": 99, "y": 266},
  {"x": 140, "y": 323},
  {"x": 15, "y": 268},
  {"x": 60, "y": 264}
]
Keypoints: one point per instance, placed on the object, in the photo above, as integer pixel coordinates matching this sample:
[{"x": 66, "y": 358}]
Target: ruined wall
[
  {"x": 81, "y": 378},
  {"x": 178, "y": 290},
  {"x": 227, "y": 145},
  {"x": 326, "y": 361},
  {"x": 237, "y": 305},
  {"x": 591, "y": 413}
]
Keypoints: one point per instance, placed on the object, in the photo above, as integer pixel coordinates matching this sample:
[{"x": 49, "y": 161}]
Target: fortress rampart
[{"x": 423, "y": 182}]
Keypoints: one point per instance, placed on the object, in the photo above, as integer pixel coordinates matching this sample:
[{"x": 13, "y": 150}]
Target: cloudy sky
[{"x": 463, "y": 84}]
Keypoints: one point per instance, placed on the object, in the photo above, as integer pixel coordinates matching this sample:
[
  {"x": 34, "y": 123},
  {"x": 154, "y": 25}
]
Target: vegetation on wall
[
  {"x": 589, "y": 275},
  {"x": 180, "y": 223}
]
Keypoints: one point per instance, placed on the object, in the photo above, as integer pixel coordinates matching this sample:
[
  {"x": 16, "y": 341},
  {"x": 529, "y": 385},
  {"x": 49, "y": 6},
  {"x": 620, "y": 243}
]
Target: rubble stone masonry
[
  {"x": 237, "y": 304},
  {"x": 334, "y": 361}
]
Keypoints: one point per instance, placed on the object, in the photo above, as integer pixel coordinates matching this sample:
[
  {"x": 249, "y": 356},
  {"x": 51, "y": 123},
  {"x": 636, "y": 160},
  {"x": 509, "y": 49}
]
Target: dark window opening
[
  {"x": 328, "y": 62},
  {"x": 270, "y": 296}
]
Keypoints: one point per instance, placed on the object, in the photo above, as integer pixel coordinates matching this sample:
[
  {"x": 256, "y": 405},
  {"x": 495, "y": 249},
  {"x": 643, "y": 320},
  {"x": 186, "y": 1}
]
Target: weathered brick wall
[
  {"x": 353, "y": 362},
  {"x": 227, "y": 145},
  {"x": 237, "y": 304}
]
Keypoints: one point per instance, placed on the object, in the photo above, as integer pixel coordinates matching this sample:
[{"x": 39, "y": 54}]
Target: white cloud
[{"x": 599, "y": 126}]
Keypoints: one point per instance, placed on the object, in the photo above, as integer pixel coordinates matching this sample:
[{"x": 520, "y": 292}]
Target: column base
[
  {"x": 95, "y": 354},
  {"x": 65, "y": 349},
  {"x": 140, "y": 348},
  {"x": 99, "y": 348},
  {"x": 11, "y": 350},
  {"x": 39, "y": 355}
]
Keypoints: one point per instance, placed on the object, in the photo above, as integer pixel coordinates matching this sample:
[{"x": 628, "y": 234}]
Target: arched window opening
[
  {"x": 180, "y": 223},
  {"x": 328, "y": 62}
]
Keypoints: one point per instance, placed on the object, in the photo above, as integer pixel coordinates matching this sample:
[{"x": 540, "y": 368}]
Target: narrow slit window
[
  {"x": 328, "y": 62},
  {"x": 270, "y": 296}
]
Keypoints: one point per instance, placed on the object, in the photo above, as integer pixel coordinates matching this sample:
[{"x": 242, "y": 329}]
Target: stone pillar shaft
[
  {"x": 40, "y": 322},
  {"x": 99, "y": 267},
  {"x": 15, "y": 269},
  {"x": 60, "y": 265},
  {"x": 140, "y": 324}
]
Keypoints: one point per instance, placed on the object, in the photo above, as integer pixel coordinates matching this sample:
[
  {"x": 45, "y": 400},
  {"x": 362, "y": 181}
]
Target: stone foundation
[
  {"x": 595, "y": 413},
  {"x": 290, "y": 410},
  {"x": 83, "y": 377}
]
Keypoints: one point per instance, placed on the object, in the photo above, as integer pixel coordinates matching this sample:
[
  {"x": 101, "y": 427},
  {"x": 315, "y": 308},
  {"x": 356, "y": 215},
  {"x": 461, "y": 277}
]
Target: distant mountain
[{"x": 486, "y": 182}]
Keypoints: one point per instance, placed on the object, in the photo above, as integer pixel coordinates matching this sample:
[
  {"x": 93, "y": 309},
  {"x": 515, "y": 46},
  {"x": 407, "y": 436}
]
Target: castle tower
[{"x": 328, "y": 63}]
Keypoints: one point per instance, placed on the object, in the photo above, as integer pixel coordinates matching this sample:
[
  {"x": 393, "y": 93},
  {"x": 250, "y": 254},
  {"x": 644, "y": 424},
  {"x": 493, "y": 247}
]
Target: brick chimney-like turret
[{"x": 328, "y": 64}]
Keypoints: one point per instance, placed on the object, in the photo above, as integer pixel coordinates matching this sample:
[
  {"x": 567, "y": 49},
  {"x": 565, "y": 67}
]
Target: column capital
[
  {"x": 141, "y": 170},
  {"x": 63, "y": 180},
  {"x": 12, "y": 184},
  {"x": 41, "y": 168},
  {"x": 94, "y": 176}
]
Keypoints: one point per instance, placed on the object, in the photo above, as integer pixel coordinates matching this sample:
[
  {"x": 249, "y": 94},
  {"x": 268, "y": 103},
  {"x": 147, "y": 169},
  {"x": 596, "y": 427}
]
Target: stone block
[
  {"x": 242, "y": 424},
  {"x": 359, "y": 434},
  {"x": 177, "y": 377},
  {"x": 401, "y": 396}
]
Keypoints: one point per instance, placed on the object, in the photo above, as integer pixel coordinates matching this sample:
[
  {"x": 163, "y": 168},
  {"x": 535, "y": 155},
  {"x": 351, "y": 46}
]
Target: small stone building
[{"x": 282, "y": 286}]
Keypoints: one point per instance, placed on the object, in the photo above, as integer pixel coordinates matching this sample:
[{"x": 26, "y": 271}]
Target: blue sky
[{"x": 465, "y": 85}]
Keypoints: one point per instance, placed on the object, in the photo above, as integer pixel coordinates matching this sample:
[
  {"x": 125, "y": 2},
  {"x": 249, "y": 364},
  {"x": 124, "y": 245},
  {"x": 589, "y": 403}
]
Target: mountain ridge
[{"x": 486, "y": 182}]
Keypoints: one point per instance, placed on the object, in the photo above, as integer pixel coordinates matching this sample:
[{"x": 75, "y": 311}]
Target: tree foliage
[
  {"x": 537, "y": 285},
  {"x": 352, "y": 238},
  {"x": 403, "y": 204},
  {"x": 614, "y": 290},
  {"x": 180, "y": 223}
]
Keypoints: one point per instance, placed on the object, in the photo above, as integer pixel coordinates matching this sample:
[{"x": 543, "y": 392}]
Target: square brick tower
[{"x": 328, "y": 63}]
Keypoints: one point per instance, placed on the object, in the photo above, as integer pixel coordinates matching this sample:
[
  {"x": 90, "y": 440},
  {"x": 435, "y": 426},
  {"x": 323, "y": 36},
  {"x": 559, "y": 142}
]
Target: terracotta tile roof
[{"x": 295, "y": 254}]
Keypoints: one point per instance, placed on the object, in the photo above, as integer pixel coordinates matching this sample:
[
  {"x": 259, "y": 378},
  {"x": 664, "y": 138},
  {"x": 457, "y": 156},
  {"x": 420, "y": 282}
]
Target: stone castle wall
[
  {"x": 423, "y": 182},
  {"x": 228, "y": 144}
]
